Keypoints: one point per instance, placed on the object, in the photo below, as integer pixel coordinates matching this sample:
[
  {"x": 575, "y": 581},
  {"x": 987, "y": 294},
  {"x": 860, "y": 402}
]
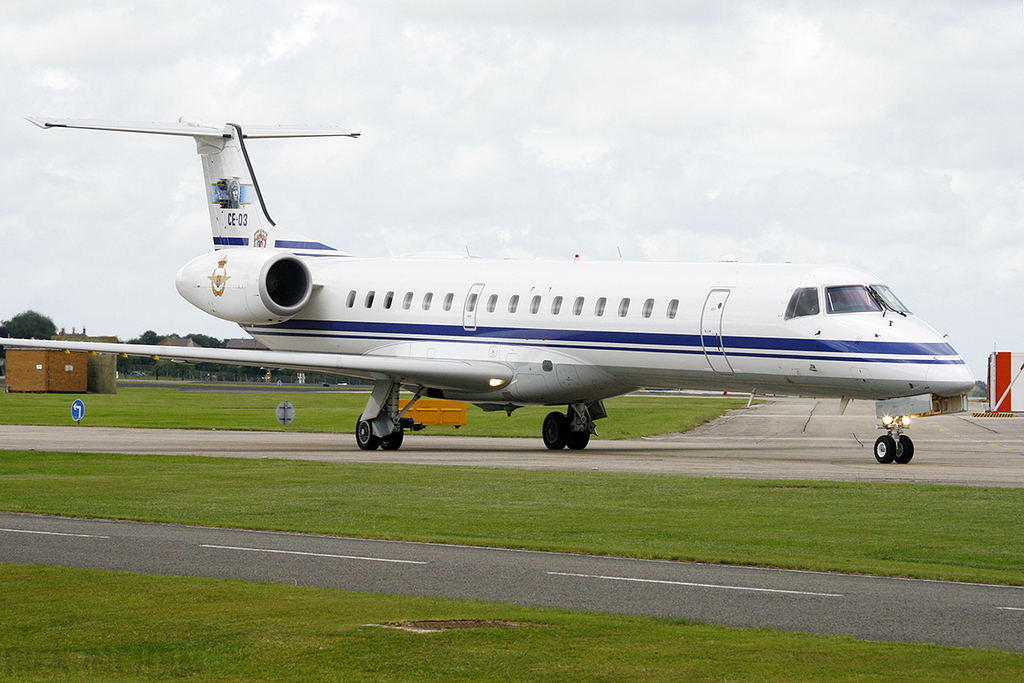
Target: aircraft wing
[{"x": 434, "y": 373}]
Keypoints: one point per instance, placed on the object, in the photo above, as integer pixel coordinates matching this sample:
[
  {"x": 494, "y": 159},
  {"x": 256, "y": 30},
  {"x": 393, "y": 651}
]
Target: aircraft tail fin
[{"x": 238, "y": 213}]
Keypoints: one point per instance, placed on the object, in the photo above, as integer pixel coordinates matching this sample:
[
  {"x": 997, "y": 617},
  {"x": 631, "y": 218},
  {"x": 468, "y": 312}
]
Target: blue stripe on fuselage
[{"x": 746, "y": 347}]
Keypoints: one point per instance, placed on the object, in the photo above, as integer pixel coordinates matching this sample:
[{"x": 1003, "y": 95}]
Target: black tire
[
  {"x": 885, "y": 449},
  {"x": 364, "y": 436},
  {"x": 393, "y": 441},
  {"x": 578, "y": 440},
  {"x": 556, "y": 431},
  {"x": 904, "y": 451}
]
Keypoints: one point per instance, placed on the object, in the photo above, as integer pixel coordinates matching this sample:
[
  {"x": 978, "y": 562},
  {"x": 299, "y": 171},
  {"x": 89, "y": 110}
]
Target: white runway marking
[
  {"x": 1012, "y": 609},
  {"x": 698, "y": 585},
  {"x": 297, "y": 552},
  {"x": 50, "y": 533}
]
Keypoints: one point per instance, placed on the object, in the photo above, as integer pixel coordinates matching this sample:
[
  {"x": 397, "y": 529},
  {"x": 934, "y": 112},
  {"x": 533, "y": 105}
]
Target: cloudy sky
[{"x": 884, "y": 135}]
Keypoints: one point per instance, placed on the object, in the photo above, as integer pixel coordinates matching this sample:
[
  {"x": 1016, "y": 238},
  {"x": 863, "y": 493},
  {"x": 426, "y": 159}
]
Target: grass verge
[
  {"x": 61, "y": 624},
  {"x": 182, "y": 406},
  {"x": 936, "y": 532}
]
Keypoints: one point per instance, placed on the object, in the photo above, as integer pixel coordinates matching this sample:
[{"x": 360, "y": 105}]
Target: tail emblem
[
  {"x": 259, "y": 240},
  {"x": 220, "y": 277}
]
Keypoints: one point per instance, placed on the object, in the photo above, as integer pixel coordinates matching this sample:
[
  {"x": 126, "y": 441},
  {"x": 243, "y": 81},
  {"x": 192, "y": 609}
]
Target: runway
[
  {"x": 867, "y": 607},
  {"x": 782, "y": 439}
]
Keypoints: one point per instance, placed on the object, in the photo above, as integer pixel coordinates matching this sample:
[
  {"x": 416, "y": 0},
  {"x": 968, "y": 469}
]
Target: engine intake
[{"x": 247, "y": 286}]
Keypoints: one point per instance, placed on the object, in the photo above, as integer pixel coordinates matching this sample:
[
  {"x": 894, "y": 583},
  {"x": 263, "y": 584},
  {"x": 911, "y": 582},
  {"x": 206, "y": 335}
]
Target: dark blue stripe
[
  {"x": 291, "y": 244},
  {"x": 231, "y": 241},
  {"x": 745, "y": 347}
]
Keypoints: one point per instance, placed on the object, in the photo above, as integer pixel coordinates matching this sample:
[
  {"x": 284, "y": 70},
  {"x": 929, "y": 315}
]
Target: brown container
[{"x": 33, "y": 370}]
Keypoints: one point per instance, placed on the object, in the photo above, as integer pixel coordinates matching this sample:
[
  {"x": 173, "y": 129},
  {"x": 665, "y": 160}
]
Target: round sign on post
[
  {"x": 77, "y": 410},
  {"x": 285, "y": 413}
]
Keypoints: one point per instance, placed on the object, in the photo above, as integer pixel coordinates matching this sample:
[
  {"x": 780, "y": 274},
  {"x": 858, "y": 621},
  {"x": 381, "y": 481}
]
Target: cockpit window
[
  {"x": 885, "y": 297},
  {"x": 850, "y": 299},
  {"x": 803, "y": 302}
]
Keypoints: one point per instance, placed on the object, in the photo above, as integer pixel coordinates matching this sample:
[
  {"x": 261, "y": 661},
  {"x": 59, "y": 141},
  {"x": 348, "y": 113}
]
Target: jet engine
[{"x": 247, "y": 286}]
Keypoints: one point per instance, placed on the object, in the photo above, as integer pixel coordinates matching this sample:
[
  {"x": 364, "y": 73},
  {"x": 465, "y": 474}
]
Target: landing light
[
  {"x": 495, "y": 382},
  {"x": 887, "y": 420}
]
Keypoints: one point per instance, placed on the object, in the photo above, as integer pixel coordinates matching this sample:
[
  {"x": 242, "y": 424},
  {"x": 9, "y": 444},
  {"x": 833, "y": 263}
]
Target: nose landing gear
[{"x": 894, "y": 446}]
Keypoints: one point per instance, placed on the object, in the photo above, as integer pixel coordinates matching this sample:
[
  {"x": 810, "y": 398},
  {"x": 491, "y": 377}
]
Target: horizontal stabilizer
[
  {"x": 195, "y": 128},
  {"x": 436, "y": 373}
]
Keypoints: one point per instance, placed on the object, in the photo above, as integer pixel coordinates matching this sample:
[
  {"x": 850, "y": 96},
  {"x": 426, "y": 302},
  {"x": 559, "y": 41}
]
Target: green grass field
[
  {"x": 181, "y": 406},
  {"x": 63, "y": 624}
]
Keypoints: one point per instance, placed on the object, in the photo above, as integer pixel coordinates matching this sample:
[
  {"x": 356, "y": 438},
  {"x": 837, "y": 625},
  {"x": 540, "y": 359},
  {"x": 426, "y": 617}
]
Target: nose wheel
[{"x": 894, "y": 448}]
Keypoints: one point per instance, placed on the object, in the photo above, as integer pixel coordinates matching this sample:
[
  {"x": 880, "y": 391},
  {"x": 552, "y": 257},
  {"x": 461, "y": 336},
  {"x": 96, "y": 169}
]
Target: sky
[{"x": 882, "y": 135}]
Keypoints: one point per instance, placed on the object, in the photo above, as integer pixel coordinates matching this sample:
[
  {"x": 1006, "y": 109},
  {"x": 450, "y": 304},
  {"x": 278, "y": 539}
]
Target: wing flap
[{"x": 434, "y": 373}]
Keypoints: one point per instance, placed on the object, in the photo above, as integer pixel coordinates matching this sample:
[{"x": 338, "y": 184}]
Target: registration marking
[
  {"x": 305, "y": 554},
  {"x": 50, "y": 533},
  {"x": 697, "y": 585}
]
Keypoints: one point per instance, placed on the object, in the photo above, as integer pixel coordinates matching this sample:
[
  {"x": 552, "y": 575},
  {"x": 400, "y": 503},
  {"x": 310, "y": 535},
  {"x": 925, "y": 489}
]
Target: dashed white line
[
  {"x": 1012, "y": 609},
  {"x": 50, "y": 533},
  {"x": 697, "y": 585},
  {"x": 305, "y": 554}
]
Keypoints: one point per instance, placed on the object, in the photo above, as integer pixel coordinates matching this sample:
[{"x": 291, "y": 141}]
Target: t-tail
[{"x": 238, "y": 212}]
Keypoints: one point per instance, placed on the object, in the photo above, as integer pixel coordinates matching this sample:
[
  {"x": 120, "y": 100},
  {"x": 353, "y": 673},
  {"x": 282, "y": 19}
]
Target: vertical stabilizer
[{"x": 238, "y": 214}]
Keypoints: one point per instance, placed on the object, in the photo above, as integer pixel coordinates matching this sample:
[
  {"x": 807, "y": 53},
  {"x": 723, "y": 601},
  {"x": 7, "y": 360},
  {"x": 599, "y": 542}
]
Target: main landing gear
[
  {"x": 894, "y": 446},
  {"x": 573, "y": 428},
  {"x": 382, "y": 425}
]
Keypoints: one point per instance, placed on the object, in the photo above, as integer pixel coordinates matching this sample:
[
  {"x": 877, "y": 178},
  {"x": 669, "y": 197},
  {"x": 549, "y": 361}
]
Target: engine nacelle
[{"x": 247, "y": 285}]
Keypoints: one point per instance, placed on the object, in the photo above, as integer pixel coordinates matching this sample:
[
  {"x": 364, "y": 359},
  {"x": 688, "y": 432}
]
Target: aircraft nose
[{"x": 950, "y": 379}]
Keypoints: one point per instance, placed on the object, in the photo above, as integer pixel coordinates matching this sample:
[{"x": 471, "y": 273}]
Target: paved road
[
  {"x": 866, "y": 607},
  {"x": 784, "y": 439}
]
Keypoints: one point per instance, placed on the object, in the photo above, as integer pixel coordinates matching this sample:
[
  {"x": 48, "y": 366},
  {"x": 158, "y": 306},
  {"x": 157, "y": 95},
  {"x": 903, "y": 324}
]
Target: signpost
[
  {"x": 77, "y": 411},
  {"x": 285, "y": 413}
]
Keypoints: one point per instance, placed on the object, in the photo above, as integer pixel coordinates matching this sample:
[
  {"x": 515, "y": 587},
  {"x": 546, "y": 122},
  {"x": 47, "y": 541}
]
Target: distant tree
[
  {"x": 147, "y": 337},
  {"x": 30, "y": 325},
  {"x": 4, "y": 332}
]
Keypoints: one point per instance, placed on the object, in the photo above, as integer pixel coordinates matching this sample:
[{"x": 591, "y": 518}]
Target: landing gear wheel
[
  {"x": 556, "y": 431},
  {"x": 578, "y": 440},
  {"x": 904, "y": 450},
  {"x": 393, "y": 441},
  {"x": 364, "y": 436},
  {"x": 885, "y": 449}
]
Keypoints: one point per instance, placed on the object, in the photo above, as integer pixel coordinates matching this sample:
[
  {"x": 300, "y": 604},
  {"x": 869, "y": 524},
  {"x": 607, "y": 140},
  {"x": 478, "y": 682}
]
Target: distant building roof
[
  {"x": 246, "y": 343},
  {"x": 177, "y": 341}
]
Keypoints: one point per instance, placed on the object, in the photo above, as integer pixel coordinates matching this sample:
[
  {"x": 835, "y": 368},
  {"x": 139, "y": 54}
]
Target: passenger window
[
  {"x": 673, "y": 308},
  {"x": 471, "y": 303},
  {"x": 407, "y": 302},
  {"x": 850, "y": 299},
  {"x": 624, "y": 307},
  {"x": 648, "y": 308},
  {"x": 803, "y": 302},
  {"x": 428, "y": 298},
  {"x": 599, "y": 306},
  {"x": 369, "y": 299},
  {"x": 388, "y": 298},
  {"x": 492, "y": 303},
  {"x": 351, "y": 301},
  {"x": 448, "y": 299},
  {"x": 577, "y": 306},
  {"x": 513, "y": 303},
  {"x": 556, "y": 305},
  {"x": 535, "y": 304}
]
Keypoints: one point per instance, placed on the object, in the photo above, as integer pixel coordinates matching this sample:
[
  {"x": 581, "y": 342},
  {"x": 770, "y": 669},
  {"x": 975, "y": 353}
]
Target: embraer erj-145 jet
[{"x": 505, "y": 334}]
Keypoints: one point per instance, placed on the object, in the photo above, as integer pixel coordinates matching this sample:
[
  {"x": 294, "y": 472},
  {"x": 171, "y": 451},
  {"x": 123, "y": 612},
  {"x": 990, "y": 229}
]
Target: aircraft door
[
  {"x": 711, "y": 331},
  {"x": 471, "y": 306}
]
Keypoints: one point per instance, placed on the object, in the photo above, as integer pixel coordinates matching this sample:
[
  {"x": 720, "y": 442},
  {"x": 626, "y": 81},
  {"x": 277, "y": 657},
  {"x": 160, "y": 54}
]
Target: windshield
[
  {"x": 850, "y": 299},
  {"x": 885, "y": 297}
]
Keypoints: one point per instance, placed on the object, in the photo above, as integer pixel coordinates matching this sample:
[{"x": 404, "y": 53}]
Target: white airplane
[{"x": 505, "y": 334}]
